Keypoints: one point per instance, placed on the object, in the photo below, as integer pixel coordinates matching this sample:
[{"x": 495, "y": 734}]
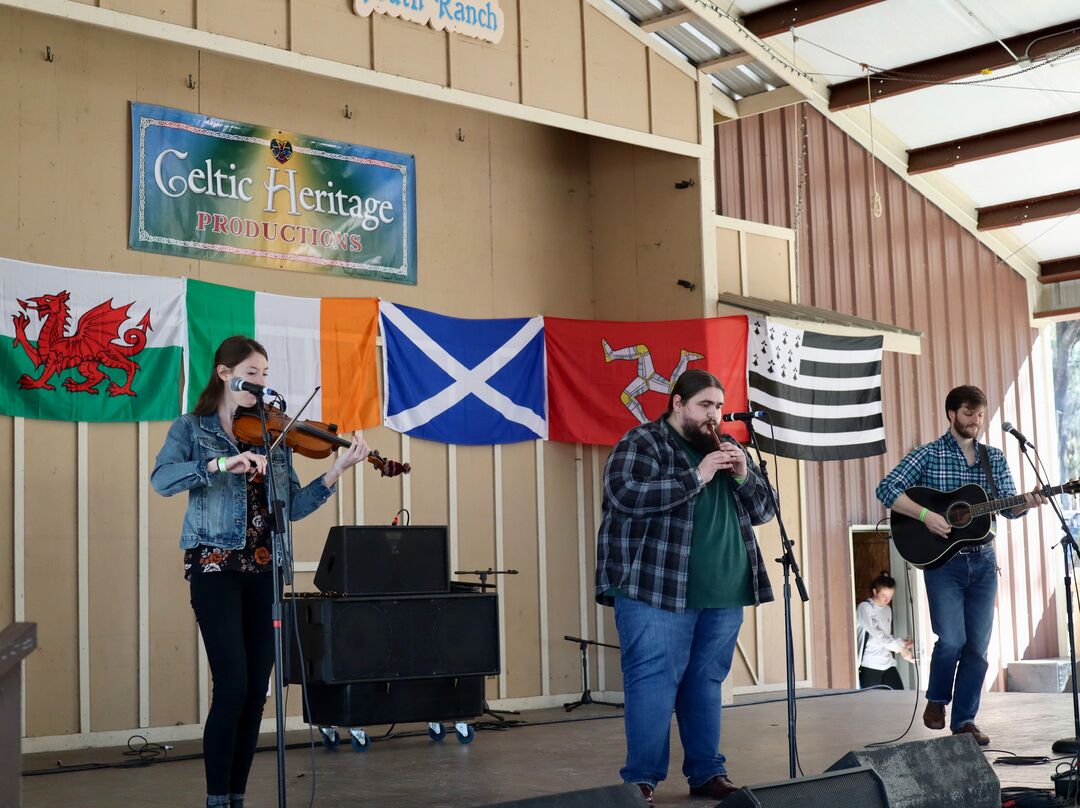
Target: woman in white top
[{"x": 876, "y": 645}]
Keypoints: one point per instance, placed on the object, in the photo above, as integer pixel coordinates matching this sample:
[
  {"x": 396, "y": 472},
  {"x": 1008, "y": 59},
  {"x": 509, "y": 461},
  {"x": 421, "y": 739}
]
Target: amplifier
[
  {"x": 368, "y": 703},
  {"x": 344, "y": 640},
  {"x": 384, "y": 560}
]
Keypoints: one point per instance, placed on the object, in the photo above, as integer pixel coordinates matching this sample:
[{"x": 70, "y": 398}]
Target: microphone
[
  {"x": 1016, "y": 433},
  {"x": 236, "y": 384},
  {"x": 743, "y": 416}
]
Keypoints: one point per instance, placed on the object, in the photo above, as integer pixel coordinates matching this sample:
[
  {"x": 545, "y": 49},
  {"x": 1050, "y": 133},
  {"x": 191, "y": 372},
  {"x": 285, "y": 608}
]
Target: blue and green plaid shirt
[
  {"x": 942, "y": 465},
  {"x": 643, "y": 546}
]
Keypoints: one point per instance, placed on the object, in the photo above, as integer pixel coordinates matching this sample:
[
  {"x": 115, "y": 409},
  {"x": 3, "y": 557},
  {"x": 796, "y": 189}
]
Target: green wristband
[
  {"x": 922, "y": 516},
  {"x": 221, "y": 465}
]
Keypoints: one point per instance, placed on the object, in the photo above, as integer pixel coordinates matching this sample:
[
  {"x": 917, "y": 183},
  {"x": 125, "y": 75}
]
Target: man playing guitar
[{"x": 960, "y": 591}]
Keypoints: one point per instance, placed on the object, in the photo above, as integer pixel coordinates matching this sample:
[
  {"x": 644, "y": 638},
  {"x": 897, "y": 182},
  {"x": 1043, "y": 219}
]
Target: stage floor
[{"x": 547, "y": 757}]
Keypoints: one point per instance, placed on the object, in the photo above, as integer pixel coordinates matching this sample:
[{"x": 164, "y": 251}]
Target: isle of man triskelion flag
[
  {"x": 823, "y": 392},
  {"x": 78, "y": 345},
  {"x": 327, "y": 342},
  {"x": 606, "y": 377},
  {"x": 463, "y": 381}
]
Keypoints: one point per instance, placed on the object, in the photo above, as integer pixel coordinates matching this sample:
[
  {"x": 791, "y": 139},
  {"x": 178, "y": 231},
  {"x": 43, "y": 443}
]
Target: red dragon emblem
[{"x": 89, "y": 349}]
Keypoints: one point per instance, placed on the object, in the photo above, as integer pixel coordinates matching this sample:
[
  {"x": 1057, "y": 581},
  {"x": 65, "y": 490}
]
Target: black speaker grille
[
  {"x": 345, "y": 640},
  {"x": 853, "y": 788}
]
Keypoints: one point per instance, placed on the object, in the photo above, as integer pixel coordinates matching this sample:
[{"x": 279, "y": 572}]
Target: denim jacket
[{"x": 217, "y": 503}]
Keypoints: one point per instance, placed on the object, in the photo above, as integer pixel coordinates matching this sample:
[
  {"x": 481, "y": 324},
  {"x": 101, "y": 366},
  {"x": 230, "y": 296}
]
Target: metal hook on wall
[{"x": 49, "y": 55}]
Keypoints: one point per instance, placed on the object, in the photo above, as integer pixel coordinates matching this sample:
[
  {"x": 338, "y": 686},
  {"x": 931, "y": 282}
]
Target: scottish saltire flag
[
  {"x": 80, "y": 345},
  {"x": 823, "y": 392},
  {"x": 461, "y": 381}
]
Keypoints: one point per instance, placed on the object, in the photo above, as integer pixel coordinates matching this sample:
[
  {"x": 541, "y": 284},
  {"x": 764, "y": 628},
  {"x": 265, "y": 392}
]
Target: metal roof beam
[
  {"x": 952, "y": 66},
  {"x": 779, "y": 19},
  {"x": 1060, "y": 269},
  {"x": 992, "y": 144},
  {"x": 1011, "y": 214}
]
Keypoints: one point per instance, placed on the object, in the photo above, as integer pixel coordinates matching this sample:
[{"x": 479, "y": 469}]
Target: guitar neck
[{"x": 995, "y": 505}]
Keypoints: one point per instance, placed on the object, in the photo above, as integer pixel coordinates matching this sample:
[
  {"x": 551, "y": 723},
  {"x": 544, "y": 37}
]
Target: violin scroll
[{"x": 387, "y": 468}]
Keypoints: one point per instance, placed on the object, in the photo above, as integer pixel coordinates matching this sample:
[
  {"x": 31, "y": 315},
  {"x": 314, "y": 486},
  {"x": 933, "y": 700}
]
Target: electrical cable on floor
[
  {"x": 60, "y": 768},
  {"x": 914, "y": 646}
]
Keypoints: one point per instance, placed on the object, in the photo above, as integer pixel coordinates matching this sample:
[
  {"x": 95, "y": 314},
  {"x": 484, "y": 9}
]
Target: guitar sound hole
[{"x": 959, "y": 515}]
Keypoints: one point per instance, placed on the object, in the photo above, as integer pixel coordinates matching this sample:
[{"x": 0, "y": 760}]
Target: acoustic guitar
[{"x": 970, "y": 512}]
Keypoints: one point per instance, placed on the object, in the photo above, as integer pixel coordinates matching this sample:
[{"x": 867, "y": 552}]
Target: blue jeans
[
  {"x": 674, "y": 662},
  {"x": 961, "y": 594}
]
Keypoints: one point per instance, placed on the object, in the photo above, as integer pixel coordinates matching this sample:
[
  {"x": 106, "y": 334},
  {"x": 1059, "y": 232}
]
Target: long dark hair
[
  {"x": 689, "y": 384},
  {"x": 230, "y": 353}
]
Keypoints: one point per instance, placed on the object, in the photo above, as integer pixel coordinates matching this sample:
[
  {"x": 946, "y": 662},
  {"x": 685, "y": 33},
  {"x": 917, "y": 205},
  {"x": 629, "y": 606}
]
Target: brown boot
[
  {"x": 981, "y": 738},
  {"x": 934, "y": 715}
]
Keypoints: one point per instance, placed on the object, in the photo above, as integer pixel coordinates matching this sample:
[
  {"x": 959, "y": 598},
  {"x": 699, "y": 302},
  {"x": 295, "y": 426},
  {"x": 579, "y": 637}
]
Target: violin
[{"x": 309, "y": 438}]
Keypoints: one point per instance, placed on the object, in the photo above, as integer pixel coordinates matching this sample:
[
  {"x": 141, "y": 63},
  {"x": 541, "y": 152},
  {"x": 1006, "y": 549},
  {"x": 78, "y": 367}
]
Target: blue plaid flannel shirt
[
  {"x": 942, "y": 465},
  {"x": 643, "y": 546}
]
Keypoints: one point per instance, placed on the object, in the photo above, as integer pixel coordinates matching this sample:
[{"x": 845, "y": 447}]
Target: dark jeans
[
  {"x": 961, "y": 594},
  {"x": 234, "y": 611},
  {"x": 871, "y": 677}
]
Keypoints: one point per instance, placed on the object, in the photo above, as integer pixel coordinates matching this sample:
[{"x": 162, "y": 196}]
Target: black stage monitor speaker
[
  {"x": 852, "y": 788},
  {"x": 950, "y": 770},
  {"x": 345, "y": 640},
  {"x": 622, "y": 796},
  {"x": 384, "y": 560}
]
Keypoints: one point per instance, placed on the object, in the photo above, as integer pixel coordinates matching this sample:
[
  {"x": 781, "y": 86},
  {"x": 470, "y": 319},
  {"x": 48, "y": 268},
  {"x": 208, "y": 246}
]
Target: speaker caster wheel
[
  {"x": 465, "y": 732},
  {"x": 436, "y": 731},
  {"x": 330, "y": 737},
  {"x": 360, "y": 740}
]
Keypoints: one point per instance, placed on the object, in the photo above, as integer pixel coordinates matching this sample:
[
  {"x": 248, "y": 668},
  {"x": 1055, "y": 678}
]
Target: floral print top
[{"x": 254, "y": 556}]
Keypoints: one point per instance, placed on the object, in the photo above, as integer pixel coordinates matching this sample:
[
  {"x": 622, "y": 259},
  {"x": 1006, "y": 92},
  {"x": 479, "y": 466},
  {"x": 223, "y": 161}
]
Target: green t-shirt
[{"x": 720, "y": 575}]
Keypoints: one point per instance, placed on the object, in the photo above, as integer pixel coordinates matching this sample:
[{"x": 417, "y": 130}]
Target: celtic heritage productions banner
[
  {"x": 212, "y": 188},
  {"x": 482, "y": 19}
]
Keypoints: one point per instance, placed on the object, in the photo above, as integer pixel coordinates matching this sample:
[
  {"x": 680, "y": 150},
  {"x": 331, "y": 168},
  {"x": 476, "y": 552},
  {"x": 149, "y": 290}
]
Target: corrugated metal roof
[
  {"x": 903, "y": 32},
  {"x": 698, "y": 42}
]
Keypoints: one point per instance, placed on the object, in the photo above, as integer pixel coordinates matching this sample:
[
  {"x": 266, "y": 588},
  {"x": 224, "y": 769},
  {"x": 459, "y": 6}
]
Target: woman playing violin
[{"x": 227, "y": 549}]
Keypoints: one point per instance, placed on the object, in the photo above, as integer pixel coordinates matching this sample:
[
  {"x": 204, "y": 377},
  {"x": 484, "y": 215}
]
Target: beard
[
  {"x": 968, "y": 430},
  {"x": 699, "y": 437}
]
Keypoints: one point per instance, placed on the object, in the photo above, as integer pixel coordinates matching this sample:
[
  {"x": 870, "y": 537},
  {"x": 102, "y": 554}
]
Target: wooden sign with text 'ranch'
[{"x": 482, "y": 19}]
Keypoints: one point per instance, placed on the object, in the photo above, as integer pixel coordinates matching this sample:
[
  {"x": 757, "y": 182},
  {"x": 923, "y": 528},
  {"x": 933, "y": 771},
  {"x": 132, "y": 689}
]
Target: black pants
[
  {"x": 234, "y": 611},
  {"x": 868, "y": 677}
]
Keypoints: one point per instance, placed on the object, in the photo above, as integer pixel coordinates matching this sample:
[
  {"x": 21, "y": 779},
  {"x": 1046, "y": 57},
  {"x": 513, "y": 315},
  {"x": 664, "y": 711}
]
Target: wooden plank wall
[
  {"x": 514, "y": 219},
  {"x": 578, "y": 57},
  {"x": 917, "y": 268}
]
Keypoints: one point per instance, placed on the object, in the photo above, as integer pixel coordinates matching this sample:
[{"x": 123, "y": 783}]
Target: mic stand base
[
  {"x": 586, "y": 698},
  {"x": 500, "y": 722}
]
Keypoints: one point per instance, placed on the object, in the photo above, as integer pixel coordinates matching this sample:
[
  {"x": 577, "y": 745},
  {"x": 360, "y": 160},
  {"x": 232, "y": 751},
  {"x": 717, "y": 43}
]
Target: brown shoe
[
  {"x": 981, "y": 738},
  {"x": 717, "y": 788},
  {"x": 646, "y": 792},
  {"x": 934, "y": 715}
]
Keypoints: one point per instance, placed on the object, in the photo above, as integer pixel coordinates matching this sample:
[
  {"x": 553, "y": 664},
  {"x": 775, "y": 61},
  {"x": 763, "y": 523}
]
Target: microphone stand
[
  {"x": 1065, "y": 746},
  {"x": 791, "y": 567},
  {"x": 282, "y": 572}
]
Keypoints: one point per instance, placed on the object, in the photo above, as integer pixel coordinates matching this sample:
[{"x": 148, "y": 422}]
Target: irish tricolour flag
[
  {"x": 313, "y": 342},
  {"x": 79, "y": 345}
]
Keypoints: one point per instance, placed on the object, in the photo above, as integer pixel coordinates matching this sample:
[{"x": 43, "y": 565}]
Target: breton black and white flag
[{"x": 823, "y": 392}]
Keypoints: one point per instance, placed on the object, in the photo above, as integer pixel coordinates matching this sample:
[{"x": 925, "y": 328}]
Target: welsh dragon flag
[
  {"x": 313, "y": 342},
  {"x": 78, "y": 345}
]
